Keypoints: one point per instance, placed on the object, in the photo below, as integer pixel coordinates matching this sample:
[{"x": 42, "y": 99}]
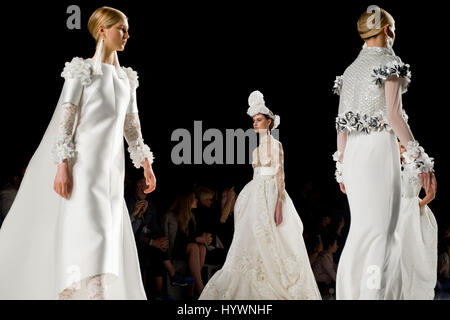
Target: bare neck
[{"x": 376, "y": 42}]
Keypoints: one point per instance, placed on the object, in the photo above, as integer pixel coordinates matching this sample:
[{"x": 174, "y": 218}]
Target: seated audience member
[
  {"x": 314, "y": 247},
  {"x": 212, "y": 217},
  {"x": 151, "y": 243},
  {"x": 185, "y": 242},
  {"x": 324, "y": 267}
]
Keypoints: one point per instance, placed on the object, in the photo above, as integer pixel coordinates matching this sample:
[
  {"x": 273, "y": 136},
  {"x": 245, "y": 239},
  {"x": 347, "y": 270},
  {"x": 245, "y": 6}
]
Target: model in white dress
[
  {"x": 370, "y": 119},
  {"x": 265, "y": 260},
  {"x": 81, "y": 247}
]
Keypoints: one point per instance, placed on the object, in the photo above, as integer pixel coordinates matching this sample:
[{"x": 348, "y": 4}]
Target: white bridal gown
[
  {"x": 370, "y": 119},
  {"x": 82, "y": 247},
  {"x": 265, "y": 261},
  {"x": 415, "y": 246}
]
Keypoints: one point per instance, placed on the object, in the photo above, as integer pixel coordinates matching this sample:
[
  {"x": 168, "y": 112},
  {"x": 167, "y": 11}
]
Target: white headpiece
[{"x": 257, "y": 105}]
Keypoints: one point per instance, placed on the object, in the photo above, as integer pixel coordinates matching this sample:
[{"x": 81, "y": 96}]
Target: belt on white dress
[{"x": 264, "y": 173}]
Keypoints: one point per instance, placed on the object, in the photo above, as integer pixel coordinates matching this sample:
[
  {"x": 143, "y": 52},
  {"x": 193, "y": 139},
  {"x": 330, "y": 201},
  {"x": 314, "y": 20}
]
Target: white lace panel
[
  {"x": 91, "y": 288},
  {"x": 136, "y": 147},
  {"x": 64, "y": 147},
  {"x": 270, "y": 154},
  {"x": 279, "y": 166}
]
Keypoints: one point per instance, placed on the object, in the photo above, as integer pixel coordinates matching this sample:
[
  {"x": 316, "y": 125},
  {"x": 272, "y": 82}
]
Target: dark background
[{"x": 200, "y": 60}]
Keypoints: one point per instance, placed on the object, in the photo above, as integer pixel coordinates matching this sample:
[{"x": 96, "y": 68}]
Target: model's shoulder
[
  {"x": 132, "y": 77},
  {"x": 78, "y": 68},
  {"x": 276, "y": 142},
  {"x": 390, "y": 65}
]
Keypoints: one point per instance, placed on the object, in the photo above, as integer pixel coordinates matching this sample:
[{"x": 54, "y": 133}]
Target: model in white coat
[{"x": 68, "y": 233}]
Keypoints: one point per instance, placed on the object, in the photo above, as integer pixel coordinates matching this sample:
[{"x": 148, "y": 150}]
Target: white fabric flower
[
  {"x": 392, "y": 68},
  {"x": 63, "y": 150},
  {"x": 132, "y": 77},
  {"x": 339, "y": 167},
  {"x": 78, "y": 68},
  {"x": 336, "y": 155},
  {"x": 337, "y": 85},
  {"x": 417, "y": 159},
  {"x": 139, "y": 151},
  {"x": 276, "y": 121},
  {"x": 338, "y": 173}
]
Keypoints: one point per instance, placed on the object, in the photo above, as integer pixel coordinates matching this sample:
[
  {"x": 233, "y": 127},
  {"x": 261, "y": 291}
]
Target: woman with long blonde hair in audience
[{"x": 185, "y": 243}]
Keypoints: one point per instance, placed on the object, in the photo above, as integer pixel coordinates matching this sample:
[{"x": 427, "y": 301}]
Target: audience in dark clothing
[
  {"x": 185, "y": 241},
  {"x": 151, "y": 243},
  {"x": 212, "y": 217}
]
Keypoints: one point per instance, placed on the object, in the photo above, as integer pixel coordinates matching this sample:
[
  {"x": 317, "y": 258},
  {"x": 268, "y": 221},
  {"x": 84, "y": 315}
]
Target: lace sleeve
[
  {"x": 77, "y": 75},
  {"x": 64, "y": 148},
  {"x": 278, "y": 160},
  {"x": 136, "y": 147}
]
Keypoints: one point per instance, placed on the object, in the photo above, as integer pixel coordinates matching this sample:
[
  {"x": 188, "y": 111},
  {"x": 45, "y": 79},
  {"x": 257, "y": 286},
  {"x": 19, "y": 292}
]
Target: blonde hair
[
  {"x": 203, "y": 192},
  {"x": 366, "y": 30},
  {"x": 181, "y": 207},
  {"x": 104, "y": 16}
]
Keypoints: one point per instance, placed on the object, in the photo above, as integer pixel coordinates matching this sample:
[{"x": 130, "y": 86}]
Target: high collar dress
[{"x": 50, "y": 247}]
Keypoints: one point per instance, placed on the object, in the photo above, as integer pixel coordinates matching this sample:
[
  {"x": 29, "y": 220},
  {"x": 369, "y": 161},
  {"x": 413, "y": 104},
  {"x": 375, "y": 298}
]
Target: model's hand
[
  {"x": 150, "y": 178},
  {"x": 279, "y": 213},
  {"x": 342, "y": 187},
  {"x": 430, "y": 193},
  {"x": 434, "y": 183},
  {"x": 63, "y": 180},
  {"x": 425, "y": 179}
]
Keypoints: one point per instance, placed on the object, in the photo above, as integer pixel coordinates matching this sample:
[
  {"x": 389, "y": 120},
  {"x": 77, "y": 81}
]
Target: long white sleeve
[
  {"x": 393, "y": 92},
  {"x": 341, "y": 142},
  {"x": 278, "y": 162},
  {"x": 132, "y": 127},
  {"x": 136, "y": 147},
  {"x": 77, "y": 75},
  {"x": 415, "y": 156},
  {"x": 64, "y": 148}
]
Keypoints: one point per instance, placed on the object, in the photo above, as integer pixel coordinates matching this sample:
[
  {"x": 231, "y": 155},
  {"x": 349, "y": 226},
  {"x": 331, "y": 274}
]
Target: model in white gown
[
  {"x": 370, "y": 119},
  {"x": 265, "y": 261},
  {"x": 52, "y": 247}
]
